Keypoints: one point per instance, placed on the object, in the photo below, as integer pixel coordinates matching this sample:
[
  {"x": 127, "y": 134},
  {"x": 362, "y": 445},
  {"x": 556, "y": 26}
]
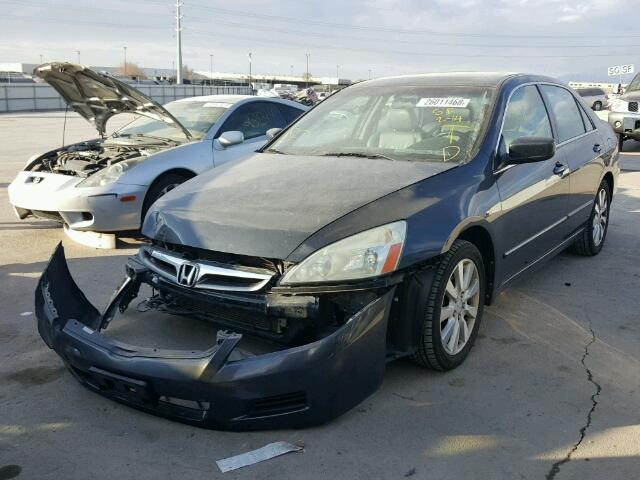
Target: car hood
[
  {"x": 98, "y": 97},
  {"x": 632, "y": 96},
  {"x": 269, "y": 204}
]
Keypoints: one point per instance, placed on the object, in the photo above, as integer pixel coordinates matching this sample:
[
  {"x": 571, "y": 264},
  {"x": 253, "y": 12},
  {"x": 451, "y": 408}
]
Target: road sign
[{"x": 620, "y": 70}]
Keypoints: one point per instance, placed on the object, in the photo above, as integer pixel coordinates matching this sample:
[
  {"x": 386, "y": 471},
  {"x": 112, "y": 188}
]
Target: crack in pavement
[{"x": 555, "y": 468}]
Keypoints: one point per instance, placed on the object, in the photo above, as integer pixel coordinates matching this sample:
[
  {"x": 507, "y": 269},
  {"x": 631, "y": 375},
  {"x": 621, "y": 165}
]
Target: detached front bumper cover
[{"x": 221, "y": 387}]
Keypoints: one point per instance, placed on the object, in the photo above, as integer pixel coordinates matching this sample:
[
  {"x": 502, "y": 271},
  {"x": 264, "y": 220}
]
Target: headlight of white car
[
  {"x": 618, "y": 105},
  {"x": 367, "y": 254},
  {"x": 109, "y": 174}
]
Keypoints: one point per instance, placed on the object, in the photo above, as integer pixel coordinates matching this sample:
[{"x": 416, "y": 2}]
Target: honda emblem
[{"x": 188, "y": 274}]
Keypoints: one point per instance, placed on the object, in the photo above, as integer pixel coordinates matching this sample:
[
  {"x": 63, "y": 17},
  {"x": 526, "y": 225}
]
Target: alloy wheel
[
  {"x": 459, "y": 306},
  {"x": 600, "y": 217}
]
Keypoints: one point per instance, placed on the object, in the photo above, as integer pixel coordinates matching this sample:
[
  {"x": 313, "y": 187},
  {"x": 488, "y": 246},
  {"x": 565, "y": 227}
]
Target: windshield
[
  {"x": 197, "y": 117},
  {"x": 635, "y": 83},
  {"x": 438, "y": 123}
]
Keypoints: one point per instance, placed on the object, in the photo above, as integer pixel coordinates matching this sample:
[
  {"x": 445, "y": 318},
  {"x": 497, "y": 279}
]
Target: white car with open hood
[{"x": 107, "y": 184}]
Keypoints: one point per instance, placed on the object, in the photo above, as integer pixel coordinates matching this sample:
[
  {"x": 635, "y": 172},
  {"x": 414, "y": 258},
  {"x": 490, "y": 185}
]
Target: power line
[
  {"x": 226, "y": 11},
  {"x": 402, "y": 52}
]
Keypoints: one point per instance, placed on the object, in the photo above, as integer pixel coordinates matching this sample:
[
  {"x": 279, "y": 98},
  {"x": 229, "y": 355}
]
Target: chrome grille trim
[{"x": 207, "y": 272}]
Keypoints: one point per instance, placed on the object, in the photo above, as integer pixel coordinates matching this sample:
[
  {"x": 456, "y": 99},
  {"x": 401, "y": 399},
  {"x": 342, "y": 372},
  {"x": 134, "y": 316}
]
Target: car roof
[
  {"x": 216, "y": 98},
  {"x": 479, "y": 79}
]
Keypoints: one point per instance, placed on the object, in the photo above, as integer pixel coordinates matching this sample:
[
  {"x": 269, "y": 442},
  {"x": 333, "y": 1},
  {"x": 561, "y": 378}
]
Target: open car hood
[{"x": 98, "y": 97}]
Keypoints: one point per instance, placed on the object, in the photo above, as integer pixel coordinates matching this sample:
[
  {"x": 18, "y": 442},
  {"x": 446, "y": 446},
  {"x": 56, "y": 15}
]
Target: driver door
[
  {"x": 253, "y": 120},
  {"x": 534, "y": 196}
]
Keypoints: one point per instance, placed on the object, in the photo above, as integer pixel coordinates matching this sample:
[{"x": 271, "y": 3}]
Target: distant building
[{"x": 607, "y": 87}]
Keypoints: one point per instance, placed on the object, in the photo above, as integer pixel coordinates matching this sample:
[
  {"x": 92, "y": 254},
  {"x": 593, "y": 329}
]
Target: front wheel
[
  {"x": 591, "y": 240},
  {"x": 454, "y": 304}
]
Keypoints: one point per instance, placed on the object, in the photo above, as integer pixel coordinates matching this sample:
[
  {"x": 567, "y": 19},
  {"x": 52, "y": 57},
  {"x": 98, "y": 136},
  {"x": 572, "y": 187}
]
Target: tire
[
  {"x": 597, "y": 106},
  {"x": 589, "y": 243},
  {"x": 163, "y": 184},
  {"x": 432, "y": 351}
]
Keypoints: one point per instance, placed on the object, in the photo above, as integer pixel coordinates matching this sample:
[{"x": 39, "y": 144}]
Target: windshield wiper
[
  {"x": 357, "y": 154},
  {"x": 273, "y": 150}
]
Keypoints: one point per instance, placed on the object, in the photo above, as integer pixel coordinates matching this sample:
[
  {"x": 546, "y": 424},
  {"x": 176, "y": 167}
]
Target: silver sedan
[{"x": 107, "y": 184}]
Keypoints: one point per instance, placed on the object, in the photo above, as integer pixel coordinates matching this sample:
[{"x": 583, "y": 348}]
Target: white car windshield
[
  {"x": 196, "y": 116},
  {"x": 436, "y": 123}
]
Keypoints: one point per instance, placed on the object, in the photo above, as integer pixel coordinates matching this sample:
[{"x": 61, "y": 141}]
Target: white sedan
[{"x": 107, "y": 184}]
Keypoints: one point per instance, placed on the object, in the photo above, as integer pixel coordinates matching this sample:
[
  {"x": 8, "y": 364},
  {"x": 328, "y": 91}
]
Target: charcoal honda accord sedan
[{"x": 375, "y": 227}]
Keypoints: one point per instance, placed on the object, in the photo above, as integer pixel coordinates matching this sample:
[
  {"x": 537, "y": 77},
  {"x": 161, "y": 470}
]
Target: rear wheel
[
  {"x": 591, "y": 240},
  {"x": 160, "y": 187},
  {"x": 454, "y": 304}
]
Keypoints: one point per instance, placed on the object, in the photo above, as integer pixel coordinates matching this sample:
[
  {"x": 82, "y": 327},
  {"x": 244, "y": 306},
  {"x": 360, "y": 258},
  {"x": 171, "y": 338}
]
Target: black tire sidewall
[
  {"x": 158, "y": 185},
  {"x": 447, "y": 361}
]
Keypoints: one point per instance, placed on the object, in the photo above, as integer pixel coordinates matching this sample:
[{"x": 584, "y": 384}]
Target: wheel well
[
  {"x": 188, "y": 174},
  {"x": 482, "y": 240},
  {"x": 608, "y": 177}
]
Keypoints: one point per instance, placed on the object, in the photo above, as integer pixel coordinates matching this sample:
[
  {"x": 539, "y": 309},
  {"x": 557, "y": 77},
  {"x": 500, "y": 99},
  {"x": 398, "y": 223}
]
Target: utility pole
[
  {"x": 292, "y": 70},
  {"x": 41, "y": 59},
  {"x": 249, "y": 68},
  {"x": 78, "y": 52},
  {"x": 211, "y": 68},
  {"x": 369, "y": 74},
  {"x": 307, "y": 77},
  {"x": 125, "y": 60},
  {"x": 178, "y": 43},
  {"x": 338, "y": 71}
]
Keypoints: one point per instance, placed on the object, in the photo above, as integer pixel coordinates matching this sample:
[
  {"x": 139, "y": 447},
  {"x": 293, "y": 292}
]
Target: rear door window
[
  {"x": 289, "y": 113},
  {"x": 565, "y": 111}
]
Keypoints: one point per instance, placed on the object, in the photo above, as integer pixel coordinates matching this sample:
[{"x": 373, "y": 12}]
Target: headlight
[
  {"x": 108, "y": 175},
  {"x": 618, "y": 105},
  {"x": 364, "y": 255}
]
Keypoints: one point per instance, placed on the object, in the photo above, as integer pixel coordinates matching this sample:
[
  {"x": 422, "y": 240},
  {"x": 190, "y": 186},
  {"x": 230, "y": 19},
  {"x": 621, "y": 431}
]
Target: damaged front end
[{"x": 325, "y": 349}]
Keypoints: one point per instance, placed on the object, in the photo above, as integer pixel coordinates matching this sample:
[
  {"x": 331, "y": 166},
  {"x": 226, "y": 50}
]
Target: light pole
[
  {"x": 125, "y": 60},
  {"x": 338, "y": 71},
  {"x": 78, "y": 52},
  {"x": 369, "y": 74},
  {"x": 41, "y": 59},
  {"x": 211, "y": 68},
  {"x": 178, "y": 43},
  {"x": 307, "y": 76},
  {"x": 249, "y": 68},
  {"x": 292, "y": 70}
]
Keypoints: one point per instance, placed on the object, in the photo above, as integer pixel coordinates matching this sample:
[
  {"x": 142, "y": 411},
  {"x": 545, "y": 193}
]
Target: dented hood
[
  {"x": 269, "y": 204},
  {"x": 98, "y": 97}
]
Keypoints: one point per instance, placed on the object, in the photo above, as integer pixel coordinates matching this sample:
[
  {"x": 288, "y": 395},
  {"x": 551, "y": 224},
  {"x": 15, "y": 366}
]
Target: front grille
[
  {"x": 203, "y": 274},
  {"x": 633, "y": 106},
  {"x": 277, "y": 404}
]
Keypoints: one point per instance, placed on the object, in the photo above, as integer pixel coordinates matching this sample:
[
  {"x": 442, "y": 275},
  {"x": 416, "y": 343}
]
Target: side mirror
[
  {"x": 232, "y": 137},
  {"x": 530, "y": 149},
  {"x": 272, "y": 132}
]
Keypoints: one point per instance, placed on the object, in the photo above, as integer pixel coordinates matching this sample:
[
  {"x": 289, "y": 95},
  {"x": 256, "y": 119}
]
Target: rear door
[
  {"x": 253, "y": 120},
  {"x": 582, "y": 146},
  {"x": 534, "y": 196}
]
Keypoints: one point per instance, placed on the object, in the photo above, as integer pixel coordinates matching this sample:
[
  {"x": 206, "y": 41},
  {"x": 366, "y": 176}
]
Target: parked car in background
[
  {"x": 15, "y": 77},
  {"x": 107, "y": 184},
  {"x": 351, "y": 239},
  {"x": 624, "y": 116},
  {"x": 596, "y": 98}
]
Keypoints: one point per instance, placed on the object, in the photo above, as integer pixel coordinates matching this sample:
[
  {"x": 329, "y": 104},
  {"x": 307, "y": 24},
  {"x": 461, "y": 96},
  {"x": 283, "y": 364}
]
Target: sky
[{"x": 349, "y": 37}]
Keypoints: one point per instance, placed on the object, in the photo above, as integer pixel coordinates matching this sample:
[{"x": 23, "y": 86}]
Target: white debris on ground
[{"x": 271, "y": 450}]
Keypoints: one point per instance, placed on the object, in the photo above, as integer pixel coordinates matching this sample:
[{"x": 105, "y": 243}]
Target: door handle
[
  {"x": 560, "y": 169},
  {"x": 597, "y": 148}
]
